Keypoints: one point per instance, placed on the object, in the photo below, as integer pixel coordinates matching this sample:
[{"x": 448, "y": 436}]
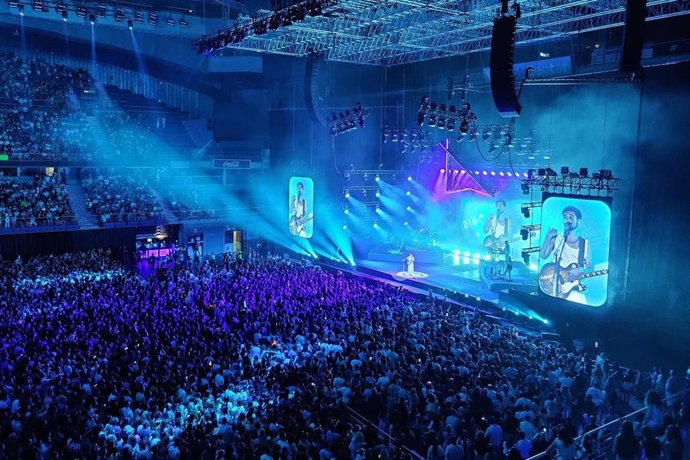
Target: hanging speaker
[
  {"x": 501, "y": 67},
  {"x": 633, "y": 38}
]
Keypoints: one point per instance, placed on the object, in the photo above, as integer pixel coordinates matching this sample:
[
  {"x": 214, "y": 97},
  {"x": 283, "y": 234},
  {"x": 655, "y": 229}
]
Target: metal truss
[
  {"x": 399, "y": 32},
  {"x": 574, "y": 184}
]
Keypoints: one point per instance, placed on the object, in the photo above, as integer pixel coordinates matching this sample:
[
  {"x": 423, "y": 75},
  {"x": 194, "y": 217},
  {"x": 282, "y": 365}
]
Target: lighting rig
[
  {"x": 347, "y": 121},
  {"x": 410, "y": 137},
  {"x": 578, "y": 183},
  {"x": 262, "y": 24},
  {"x": 94, "y": 12},
  {"x": 447, "y": 117}
]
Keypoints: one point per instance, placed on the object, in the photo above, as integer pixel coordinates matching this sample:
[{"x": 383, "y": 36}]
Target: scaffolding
[{"x": 397, "y": 32}]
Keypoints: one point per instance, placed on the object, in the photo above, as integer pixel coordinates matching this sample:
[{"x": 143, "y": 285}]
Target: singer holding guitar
[
  {"x": 298, "y": 212},
  {"x": 571, "y": 254}
]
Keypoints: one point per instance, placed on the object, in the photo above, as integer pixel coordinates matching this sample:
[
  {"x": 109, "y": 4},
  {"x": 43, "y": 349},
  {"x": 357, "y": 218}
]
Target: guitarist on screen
[
  {"x": 571, "y": 253},
  {"x": 497, "y": 228},
  {"x": 298, "y": 212}
]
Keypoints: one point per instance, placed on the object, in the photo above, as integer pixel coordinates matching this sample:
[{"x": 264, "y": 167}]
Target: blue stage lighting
[{"x": 409, "y": 178}]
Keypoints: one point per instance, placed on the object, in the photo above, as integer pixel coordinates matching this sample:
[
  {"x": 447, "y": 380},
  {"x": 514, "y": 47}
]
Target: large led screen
[
  {"x": 301, "y": 207},
  {"x": 574, "y": 249}
]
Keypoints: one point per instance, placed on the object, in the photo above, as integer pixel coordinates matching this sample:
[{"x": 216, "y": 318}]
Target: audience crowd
[
  {"x": 117, "y": 198},
  {"x": 36, "y": 122},
  {"x": 37, "y": 202},
  {"x": 265, "y": 359}
]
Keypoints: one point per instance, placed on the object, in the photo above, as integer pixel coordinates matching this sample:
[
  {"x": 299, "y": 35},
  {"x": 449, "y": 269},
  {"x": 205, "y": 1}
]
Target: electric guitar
[
  {"x": 297, "y": 224},
  {"x": 493, "y": 243},
  {"x": 553, "y": 280}
]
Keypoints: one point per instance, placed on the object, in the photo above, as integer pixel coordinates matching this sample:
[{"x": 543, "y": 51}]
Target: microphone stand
[{"x": 557, "y": 272}]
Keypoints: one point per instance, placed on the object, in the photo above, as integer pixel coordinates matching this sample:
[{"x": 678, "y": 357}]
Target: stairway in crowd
[
  {"x": 100, "y": 136},
  {"x": 77, "y": 199}
]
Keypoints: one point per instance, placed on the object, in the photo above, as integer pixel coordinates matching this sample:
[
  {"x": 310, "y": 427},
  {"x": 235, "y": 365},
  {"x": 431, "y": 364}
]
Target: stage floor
[{"x": 465, "y": 279}]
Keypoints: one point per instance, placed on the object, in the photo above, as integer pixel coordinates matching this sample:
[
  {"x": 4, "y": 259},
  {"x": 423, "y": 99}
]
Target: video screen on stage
[
  {"x": 574, "y": 249},
  {"x": 301, "y": 207}
]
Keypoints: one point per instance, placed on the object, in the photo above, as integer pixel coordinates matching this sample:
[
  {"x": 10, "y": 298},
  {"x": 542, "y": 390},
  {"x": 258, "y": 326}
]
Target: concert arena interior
[{"x": 345, "y": 229}]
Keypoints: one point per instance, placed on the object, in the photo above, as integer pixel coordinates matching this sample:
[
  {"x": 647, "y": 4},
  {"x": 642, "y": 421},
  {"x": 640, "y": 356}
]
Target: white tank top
[{"x": 570, "y": 254}]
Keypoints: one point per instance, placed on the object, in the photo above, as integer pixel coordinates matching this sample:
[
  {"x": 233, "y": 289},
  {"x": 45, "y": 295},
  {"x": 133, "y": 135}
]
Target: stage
[{"x": 443, "y": 272}]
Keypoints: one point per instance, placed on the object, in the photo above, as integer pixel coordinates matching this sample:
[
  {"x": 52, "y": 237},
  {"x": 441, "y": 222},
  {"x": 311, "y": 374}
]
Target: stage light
[
  {"x": 492, "y": 148},
  {"x": 409, "y": 208},
  {"x": 472, "y": 136},
  {"x": 139, "y": 17},
  {"x": 375, "y": 225},
  {"x": 171, "y": 22},
  {"x": 484, "y": 173},
  {"x": 81, "y": 12},
  {"x": 493, "y": 173},
  {"x": 365, "y": 177},
  {"x": 64, "y": 16},
  {"x": 541, "y": 172},
  {"x": 378, "y": 194},
  {"x": 346, "y": 211},
  {"x": 409, "y": 178},
  {"x": 347, "y": 194},
  {"x": 565, "y": 170},
  {"x": 377, "y": 178},
  {"x": 378, "y": 208},
  {"x": 364, "y": 192},
  {"x": 533, "y": 267},
  {"x": 462, "y": 172},
  {"x": 464, "y": 126},
  {"x": 456, "y": 252},
  {"x": 153, "y": 19},
  {"x": 501, "y": 173},
  {"x": 92, "y": 18},
  {"x": 524, "y": 174},
  {"x": 485, "y": 135},
  {"x": 183, "y": 23},
  {"x": 408, "y": 193},
  {"x": 101, "y": 11},
  {"x": 525, "y": 188},
  {"x": 345, "y": 227},
  {"x": 584, "y": 172},
  {"x": 130, "y": 24},
  {"x": 119, "y": 15},
  {"x": 442, "y": 170},
  {"x": 405, "y": 224}
]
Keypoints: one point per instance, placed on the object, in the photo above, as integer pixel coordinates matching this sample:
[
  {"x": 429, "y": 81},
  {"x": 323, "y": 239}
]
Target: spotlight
[
  {"x": 153, "y": 19},
  {"x": 378, "y": 178},
  {"x": 405, "y": 224},
  {"x": 525, "y": 258},
  {"x": 409, "y": 208},
  {"x": 526, "y": 213},
  {"x": 541, "y": 172},
  {"x": 584, "y": 172},
  {"x": 130, "y": 24},
  {"x": 464, "y": 126},
  {"x": 81, "y": 12},
  {"x": 565, "y": 170},
  {"x": 344, "y": 227},
  {"x": 139, "y": 17},
  {"x": 101, "y": 11},
  {"x": 408, "y": 193},
  {"x": 183, "y": 23},
  {"x": 525, "y": 188},
  {"x": 92, "y": 18},
  {"x": 347, "y": 194},
  {"x": 171, "y": 22},
  {"x": 64, "y": 16},
  {"x": 21, "y": 9},
  {"x": 119, "y": 15},
  {"x": 378, "y": 194},
  {"x": 442, "y": 170},
  {"x": 409, "y": 178},
  {"x": 346, "y": 211}
]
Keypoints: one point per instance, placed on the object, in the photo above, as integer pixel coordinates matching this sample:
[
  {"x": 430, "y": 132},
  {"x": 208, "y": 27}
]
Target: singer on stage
[
  {"x": 410, "y": 263},
  {"x": 569, "y": 249}
]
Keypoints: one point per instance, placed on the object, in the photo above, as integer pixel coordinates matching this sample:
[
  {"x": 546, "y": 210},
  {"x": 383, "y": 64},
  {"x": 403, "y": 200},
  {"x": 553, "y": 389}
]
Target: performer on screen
[
  {"x": 410, "y": 263},
  {"x": 497, "y": 228},
  {"x": 298, "y": 212},
  {"x": 570, "y": 251}
]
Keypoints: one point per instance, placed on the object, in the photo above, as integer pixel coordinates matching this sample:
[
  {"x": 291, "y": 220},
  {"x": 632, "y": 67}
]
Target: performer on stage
[
  {"x": 497, "y": 228},
  {"x": 569, "y": 251},
  {"x": 410, "y": 263}
]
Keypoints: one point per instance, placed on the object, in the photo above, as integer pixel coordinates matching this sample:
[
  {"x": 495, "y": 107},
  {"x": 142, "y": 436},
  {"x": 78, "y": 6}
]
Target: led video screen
[
  {"x": 574, "y": 249},
  {"x": 301, "y": 207}
]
